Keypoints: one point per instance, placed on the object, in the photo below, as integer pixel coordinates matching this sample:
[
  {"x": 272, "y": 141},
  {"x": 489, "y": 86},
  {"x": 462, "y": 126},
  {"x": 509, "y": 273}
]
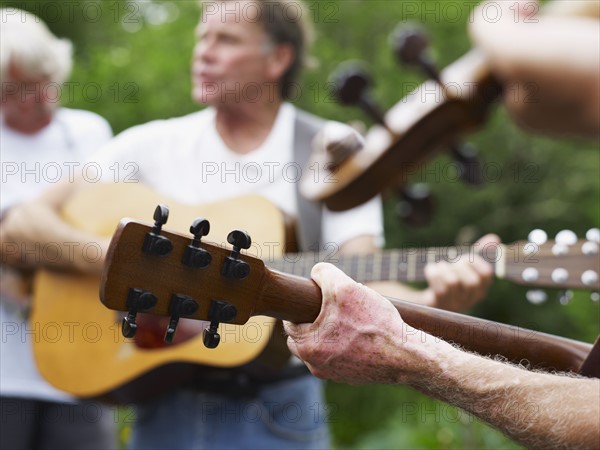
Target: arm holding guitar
[
  {"x": 34, "y": 234},
  {"x": 130, "y": 271},
  {"x": 359, "y": 337}
]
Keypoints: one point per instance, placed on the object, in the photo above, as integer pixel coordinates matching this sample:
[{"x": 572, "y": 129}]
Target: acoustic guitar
[
  {"x": 79, "y": 347},
  {"x": 154, "y": 271}
]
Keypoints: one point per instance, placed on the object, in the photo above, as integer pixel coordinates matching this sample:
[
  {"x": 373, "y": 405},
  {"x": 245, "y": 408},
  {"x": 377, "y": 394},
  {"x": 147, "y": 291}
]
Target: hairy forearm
[{"x": 539, "y": 410}]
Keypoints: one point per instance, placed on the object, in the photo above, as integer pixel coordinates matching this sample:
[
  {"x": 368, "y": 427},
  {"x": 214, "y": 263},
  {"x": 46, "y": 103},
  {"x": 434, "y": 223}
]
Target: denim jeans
[{"x": 288, "y": 414}]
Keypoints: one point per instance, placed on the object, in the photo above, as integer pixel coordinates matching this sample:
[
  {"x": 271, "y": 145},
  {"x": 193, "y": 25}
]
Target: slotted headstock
[
  {"x": 432, "y": 117},
  {"x": 225, "y": 286},
  {"x": 564, "y": 263}
]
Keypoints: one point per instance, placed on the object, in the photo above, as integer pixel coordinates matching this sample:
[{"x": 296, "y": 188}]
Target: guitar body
[{"x": 79, "y": 346}]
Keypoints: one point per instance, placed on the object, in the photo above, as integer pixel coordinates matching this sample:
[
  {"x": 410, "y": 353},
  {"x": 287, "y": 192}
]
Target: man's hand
[
  {"x": 457, "y": 286},
  {"x": 359, "y": 337},
  {"x": 549, "y": 62}
]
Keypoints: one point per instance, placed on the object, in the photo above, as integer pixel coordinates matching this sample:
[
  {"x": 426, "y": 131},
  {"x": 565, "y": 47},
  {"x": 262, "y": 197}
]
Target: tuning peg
[
  {"x": 595, "y": 296},
  {"x": 219, "y": 312},
  {"x": 416, "y": 205},
  {"x": 233, "y": 266},
  {"x": 180, "y": 306},
  {"x": 564, "y": 297},
  {"x": 137, "y": 301},
  {"x": 194, "y": 256},
  {"x": 468, "y": 163},
  {"x": 566, "y": 237},
  {"x": 410, "y": 45},
  {"x": 593, "y": 235},
  {"x": 154, "y": 243},
  {"x": 589, "y": 278},
  {"x": 352, "y": 84},
  {"x": 536, "y": 296},
  {"x": 340, "y": 143},
  {"x": 590, "y": 248},
  {"x": 538, "y": 237}
]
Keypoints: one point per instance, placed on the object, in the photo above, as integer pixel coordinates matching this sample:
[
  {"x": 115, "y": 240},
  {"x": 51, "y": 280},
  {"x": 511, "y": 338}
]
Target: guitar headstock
[
  {"x": 432, "y": 117},
  {"x": 169, "y": 274},
  {"x": 564, "y": 263}
]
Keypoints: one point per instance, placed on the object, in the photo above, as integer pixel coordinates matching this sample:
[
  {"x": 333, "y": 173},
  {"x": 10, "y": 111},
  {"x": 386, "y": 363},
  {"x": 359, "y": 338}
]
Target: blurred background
[{"x": 132, "y": 66}]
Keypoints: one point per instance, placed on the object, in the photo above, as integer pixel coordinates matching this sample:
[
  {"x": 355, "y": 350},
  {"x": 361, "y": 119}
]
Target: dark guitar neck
[{"x": 303, "y": 303}]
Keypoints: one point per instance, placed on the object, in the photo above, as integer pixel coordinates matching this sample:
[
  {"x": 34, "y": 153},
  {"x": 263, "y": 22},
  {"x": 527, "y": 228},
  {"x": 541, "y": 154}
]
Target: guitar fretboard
[{"x": 404, "y": 265}]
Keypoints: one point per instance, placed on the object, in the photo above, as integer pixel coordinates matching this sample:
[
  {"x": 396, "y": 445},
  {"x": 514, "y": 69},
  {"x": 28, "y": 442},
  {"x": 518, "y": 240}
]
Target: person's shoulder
[
  {"x": 307, "y": 117},
  {"x": 167, "y": 126},
  {"x": 81, "y": 117},
  {"x": 85, "y": 127}
]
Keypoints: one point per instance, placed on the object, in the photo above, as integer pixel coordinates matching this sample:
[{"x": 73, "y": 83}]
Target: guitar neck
[
  {"x": 405, "y": 265},
  {"x": 303, "y": 303}
]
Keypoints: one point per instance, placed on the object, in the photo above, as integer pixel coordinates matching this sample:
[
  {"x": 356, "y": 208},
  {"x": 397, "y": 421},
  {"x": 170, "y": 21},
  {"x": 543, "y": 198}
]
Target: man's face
[
  {"x": 232, "y": 61},
  {"x": 28, "y": 104}
]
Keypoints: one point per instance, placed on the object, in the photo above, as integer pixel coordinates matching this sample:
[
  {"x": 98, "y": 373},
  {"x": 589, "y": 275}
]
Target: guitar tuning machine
[
  {"x": 566, "y": 238},
  {"x": 154, "y": 243},
  {"x": 233, "y": 266},
  {"x": 352, "y": 85},
  {"x": 194, "y": 256},
  {"x": 138, "y": 300},
  {"x": 537, "y": 236},
  {"x": 415, "y": 205},
  {"x": 565, "y": 297},
  {"x": 593, "y": 235},
  {"x": 219, "y": 312},
  {"x": 410, "y": 45},
  {"x": 180, "y": 306},
  {"x": 536, "y": 296}
]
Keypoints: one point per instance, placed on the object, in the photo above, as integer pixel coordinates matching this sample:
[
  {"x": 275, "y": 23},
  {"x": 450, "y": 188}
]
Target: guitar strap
[{"x": 309, "y": 213}]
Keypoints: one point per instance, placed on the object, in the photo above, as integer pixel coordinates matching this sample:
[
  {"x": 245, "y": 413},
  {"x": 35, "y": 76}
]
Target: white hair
[{"x": 28, "y": 46}]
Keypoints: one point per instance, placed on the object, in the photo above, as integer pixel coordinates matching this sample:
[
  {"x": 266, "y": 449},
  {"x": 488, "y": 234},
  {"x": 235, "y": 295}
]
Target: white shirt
[
  {"x": 30, "y": 164},
  {"x": 185, "y": 159}
]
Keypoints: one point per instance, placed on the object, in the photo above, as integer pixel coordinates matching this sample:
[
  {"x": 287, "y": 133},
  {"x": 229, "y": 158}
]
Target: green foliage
[{"x": 533, "y": 181}]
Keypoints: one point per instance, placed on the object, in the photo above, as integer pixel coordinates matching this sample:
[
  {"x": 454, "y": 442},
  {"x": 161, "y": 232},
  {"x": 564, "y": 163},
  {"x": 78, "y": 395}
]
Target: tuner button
[
  {"x": 536, "y": 296},
  {"x": 161, "y": 215},
  {"x": 538, "y": 237},
  {"x": 589, "y": 278},
  {"x": 128, "y": 327},
  {"x": 530, "y": 275},
  {"x": 589, "y": 248},
  {"x": 566, "y": 237},
  {"x": 200, "y": 227},
  {"x": 593, "y": 235},
  {"x": 560, "y": 275},
  {"x": 154, "y": 243},
  {"x": 468, "y": 164},
  {"x": 559, "y": 249},
  {"x": 352, "y": 84},
  {"x": 410, "y": 46},
  {"x": 210, "y": 338},
  {"x": 595, "y": 296},
  {"x": 239, "y": 239},
  {"x": 565, "y": 297},
  {"x": 416, "y": 205}
]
